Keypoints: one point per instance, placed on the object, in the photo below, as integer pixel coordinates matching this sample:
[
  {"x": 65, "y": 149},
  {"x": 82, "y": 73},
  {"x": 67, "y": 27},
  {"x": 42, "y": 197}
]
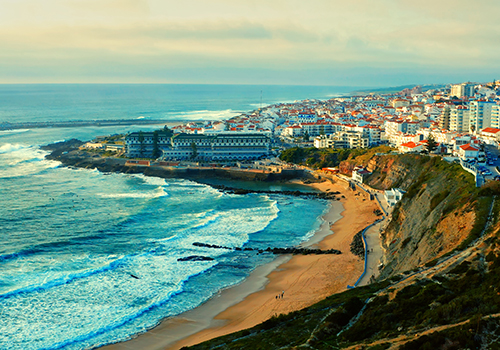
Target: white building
[
  {"x": 393, "y": 196},
  {"x": 292, "y": 131},
  {"x": 462, "y": 90},
  {"x": 359, "y": 174},
  {"x": 468, "y": 152},
  {"x": 490, "y": 135},
  {"x": 227, "y": 146},
  {"x": 342, "y": 139},
  {"x": 221, "y": 146},
  {"x": 480, "y": 114},
  {"x": 459, "y": 118},
  {"x": 142, "y": 144},
  {"x": 411, "y": 147},
  {"x": 495, "y": 116}
]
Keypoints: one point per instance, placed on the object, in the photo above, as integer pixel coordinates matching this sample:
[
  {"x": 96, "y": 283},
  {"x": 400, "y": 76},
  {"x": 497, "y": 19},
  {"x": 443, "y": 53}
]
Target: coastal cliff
[
  {"x": 439, "y": 287},
  {"x": 435, "y": 216}
]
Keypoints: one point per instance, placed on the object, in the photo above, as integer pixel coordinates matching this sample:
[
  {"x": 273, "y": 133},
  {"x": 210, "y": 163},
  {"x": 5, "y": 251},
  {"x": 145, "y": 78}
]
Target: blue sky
[{"x": 332, "y": 42}]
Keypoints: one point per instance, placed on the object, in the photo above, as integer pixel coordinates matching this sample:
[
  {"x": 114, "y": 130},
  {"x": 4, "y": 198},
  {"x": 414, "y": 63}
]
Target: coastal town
[{"x": 461, "y": 122}]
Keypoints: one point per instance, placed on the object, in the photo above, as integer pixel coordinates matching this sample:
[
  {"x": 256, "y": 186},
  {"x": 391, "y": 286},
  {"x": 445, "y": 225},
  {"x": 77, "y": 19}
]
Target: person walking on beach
[{"x": 282, "y": 294}]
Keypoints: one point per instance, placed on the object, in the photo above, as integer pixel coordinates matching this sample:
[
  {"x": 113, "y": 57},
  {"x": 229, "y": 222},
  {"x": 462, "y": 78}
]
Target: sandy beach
[{"x": 304, "y": 280}]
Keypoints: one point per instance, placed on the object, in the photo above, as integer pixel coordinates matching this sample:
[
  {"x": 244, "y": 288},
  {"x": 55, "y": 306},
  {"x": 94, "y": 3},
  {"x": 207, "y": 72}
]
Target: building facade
[
  {"x": 342, "y": 139},
  {"x": 480, "y": 114},
  {"x": 142, "y": 144},
  {"x": 462, "y": 90},
  {"x": 459, "y": 119},
  {"x": 222, "y": 146}
]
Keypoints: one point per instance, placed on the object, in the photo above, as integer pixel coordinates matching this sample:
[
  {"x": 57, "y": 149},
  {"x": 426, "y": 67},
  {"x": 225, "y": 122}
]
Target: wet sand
[{"x": 304, "y": 280}]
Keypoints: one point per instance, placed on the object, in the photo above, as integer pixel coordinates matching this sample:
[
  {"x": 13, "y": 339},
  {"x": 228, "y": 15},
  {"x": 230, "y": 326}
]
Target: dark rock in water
[
  {"x": 134, "y": 276},
  {"x": 63, "y": 145},
  {"x": 205, "y": 245},
  {"x": 293, "y": 250},
  {"x": 196, "y": 258},
  {"x": 60, "y": 148},
  {"x": 241, "y": 191}
]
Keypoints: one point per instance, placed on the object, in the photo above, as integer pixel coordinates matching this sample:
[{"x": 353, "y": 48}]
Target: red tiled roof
[
  {"x": 410, "y": 144},
  {"x": 491, "y": 130},
  {"x": 468, "y": 147}
]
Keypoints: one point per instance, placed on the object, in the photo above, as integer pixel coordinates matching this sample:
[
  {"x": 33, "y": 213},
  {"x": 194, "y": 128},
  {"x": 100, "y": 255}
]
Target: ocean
[{"x": 90, "y": 258}]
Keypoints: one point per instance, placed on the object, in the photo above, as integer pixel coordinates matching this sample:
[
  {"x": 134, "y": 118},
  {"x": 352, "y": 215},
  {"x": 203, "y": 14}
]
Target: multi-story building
[
  {"x": 400, "y": 102},
  {"x": 142, "y": 144},
  {"x": 222, "y": 146},
  {"x": 404, "y": 126},
  {"x": 459, "y": 118},
  {"x": 495, "y": 116},
  {"x": 462, "y": 90},
  {"x": 240, "y": 146},
  {"x": 342, "y": 139},
  {"x": 480, "y": 114},
  {"x": 444, "y": 118},
  {"x": 320, "y": 128}
]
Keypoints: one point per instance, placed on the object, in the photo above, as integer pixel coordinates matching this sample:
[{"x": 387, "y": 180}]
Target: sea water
[{"x": 90, "y": 258}]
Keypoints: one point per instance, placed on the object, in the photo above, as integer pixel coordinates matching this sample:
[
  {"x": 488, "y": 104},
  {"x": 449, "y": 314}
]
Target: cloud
[{"x": 279, "y": 35}]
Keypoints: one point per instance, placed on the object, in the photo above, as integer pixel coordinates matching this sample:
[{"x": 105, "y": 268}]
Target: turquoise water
[{"x": 88, "y": 258}]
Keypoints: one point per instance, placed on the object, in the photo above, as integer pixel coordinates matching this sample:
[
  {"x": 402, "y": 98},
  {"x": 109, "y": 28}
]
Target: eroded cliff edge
[{"x": 435, "y": 216}]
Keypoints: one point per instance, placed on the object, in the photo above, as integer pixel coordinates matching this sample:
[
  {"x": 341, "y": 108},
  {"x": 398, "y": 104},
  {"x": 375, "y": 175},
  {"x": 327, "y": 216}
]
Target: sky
[{"x": 288, "y": 42}]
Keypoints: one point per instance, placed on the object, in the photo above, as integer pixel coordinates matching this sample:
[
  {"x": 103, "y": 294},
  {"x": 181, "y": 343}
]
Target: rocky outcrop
[
  {"x": 292, "y": 250},
  {"x": 357, "y": 246},
  {"x": 196, "y": 258},
  {"x": 317, "y": 195}
]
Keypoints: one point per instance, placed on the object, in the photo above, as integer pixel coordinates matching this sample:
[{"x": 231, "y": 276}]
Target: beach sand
[{"x": 304, "y": 280}]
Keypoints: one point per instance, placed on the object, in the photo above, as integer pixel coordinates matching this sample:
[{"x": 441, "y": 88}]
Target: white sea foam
[
  {"x": 20, "y": 160},
  {"x": 232, "y": 227},
  {"x": 209, "y": 115},
  {"x": 9, "y": 147},
  {"x": 159, "y": 192},
  {"x": 151, "y": 180},
  {"x": 99, "y": 303},
  {"x": 10, "y": 132}
]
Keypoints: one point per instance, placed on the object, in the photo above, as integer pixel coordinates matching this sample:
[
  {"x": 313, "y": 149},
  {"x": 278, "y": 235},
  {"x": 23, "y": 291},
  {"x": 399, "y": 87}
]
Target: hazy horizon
[{"x": 319, "y": 43}]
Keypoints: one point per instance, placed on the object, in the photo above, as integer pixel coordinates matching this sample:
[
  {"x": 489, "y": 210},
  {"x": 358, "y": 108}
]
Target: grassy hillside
[{"x": 327, "y": 157}]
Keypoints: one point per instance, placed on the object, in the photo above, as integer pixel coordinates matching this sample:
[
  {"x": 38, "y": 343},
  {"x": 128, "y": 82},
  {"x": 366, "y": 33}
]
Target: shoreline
[{"x": 304, "y": 279}]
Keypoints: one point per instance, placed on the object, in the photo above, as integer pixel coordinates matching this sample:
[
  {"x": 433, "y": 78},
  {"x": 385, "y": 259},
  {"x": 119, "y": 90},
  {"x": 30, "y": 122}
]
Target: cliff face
[{"x": 434, "y": 216}]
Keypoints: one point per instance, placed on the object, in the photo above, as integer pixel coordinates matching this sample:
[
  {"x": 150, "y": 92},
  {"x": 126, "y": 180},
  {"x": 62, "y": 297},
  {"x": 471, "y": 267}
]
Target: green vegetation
[
  {"x": 142, "y": 147},
  {"x": 195, "y": 150},
  {"x": 318, "y": 158},
  {"x": 156, "y": 149},
  {"x": 431, "y": 145},
  {"x": 438, "y": 198}
]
